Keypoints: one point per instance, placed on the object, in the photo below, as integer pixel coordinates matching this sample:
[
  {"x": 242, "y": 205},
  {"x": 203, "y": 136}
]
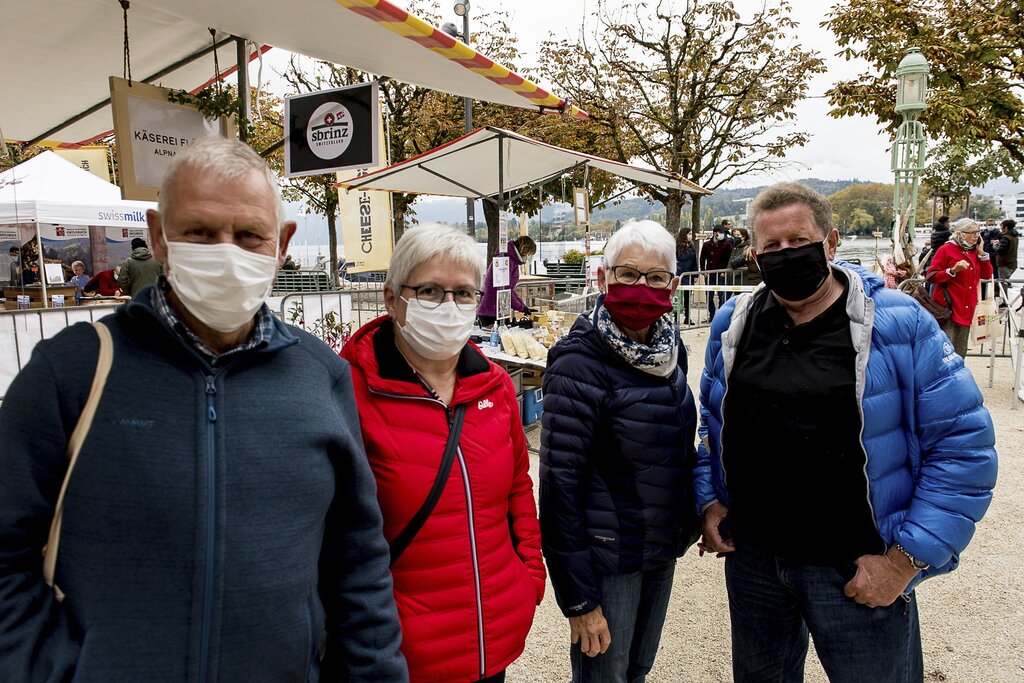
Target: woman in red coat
[
  {"x": 958, "y": 267},
  {"x": 469, "y": 582}
]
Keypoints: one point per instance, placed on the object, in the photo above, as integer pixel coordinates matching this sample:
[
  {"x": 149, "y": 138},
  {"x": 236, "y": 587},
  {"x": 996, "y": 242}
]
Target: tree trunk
[
  {"x": 332, "y": 237},
  {"x": 695, "y": 225},
  {"x": 673, "y": 207},
  {"x": 491, "y": 217}
]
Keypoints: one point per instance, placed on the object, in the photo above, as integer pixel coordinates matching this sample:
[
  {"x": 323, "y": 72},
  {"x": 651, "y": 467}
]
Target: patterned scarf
[{"x": 658, "y": 358}]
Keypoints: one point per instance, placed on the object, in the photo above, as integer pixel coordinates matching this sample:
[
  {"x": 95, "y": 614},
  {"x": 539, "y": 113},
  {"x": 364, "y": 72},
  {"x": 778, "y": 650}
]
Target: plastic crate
[{"x": 533, "y": 400}]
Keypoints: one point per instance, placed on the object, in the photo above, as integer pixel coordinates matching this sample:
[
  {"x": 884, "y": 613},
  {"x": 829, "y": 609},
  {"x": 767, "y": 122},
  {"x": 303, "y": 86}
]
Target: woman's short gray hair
[
  {"x": 425, "y": 242},
  {"x": 650, "y": 236},
  {"x": 962, "y": 224},
  {"x": 225, "y": 160}
]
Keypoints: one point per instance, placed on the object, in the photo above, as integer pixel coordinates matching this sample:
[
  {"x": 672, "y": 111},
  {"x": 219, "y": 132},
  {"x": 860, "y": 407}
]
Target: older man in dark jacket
[
  {"x": 221, "y": 525},
  {"x": 1006, "y": 250}
]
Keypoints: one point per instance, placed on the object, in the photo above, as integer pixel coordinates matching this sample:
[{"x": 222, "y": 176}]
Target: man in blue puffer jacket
[{"x": 845, "y": 456}]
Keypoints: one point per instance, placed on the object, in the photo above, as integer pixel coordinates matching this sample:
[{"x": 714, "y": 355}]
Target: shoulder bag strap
[
  {"x": 103, "y": 363},
  {"x": 404, "y": 538}
]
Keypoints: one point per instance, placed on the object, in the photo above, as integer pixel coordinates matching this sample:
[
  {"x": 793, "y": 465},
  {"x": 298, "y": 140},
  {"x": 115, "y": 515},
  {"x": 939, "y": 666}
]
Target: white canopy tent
[
  {"x": 492, "y": 161},
  {"x": 57, "y": 55},
  {"x": 50, "y": 189}
]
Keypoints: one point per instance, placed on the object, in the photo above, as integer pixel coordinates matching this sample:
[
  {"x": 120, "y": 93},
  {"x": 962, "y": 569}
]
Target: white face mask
[
  {"x": 436, "y": 333},
  {"x": 222, "y": 285}
]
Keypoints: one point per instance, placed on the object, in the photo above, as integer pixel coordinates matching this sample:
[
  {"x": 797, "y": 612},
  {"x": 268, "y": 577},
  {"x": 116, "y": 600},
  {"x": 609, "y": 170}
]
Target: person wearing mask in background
[
  {"x": 686, "y": 262},
  {"x": 845, "y": 456},
  {"x": 221, "y": 523},
  {"x": 957, "y": 269},
  {"x": 140, "y": 270},
  {"x": 15, "y": 269},
  {"x": 103, "y": 283},
  {"x": 715, "y": 254},
  {"x": 520, "y": 251},
  {"x": 469, "y": 578},
  {"x": 616, "y": 461},
  {"x": 743, "y": 259},
  {"x": 990, "y": 235},
  {"x": 79, "y": 279}
]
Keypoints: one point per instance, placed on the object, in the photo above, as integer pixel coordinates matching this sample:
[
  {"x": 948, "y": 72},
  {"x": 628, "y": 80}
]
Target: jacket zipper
[
  {"x": 478, "y": 594},
  {"x": 211, "y": 496},
  {"x": 869, "y": 319},
  {"x": 476, "y": 562}
]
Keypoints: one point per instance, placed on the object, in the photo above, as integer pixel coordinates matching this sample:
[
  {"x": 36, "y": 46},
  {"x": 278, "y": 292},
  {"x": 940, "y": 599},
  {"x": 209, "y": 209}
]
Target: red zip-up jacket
[
  {"x": 962, "y": 287},
  {"x": 469, "y": 583}
]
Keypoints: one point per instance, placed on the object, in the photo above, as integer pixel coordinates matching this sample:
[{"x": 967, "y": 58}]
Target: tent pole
[{"x": 41, "y": 263}]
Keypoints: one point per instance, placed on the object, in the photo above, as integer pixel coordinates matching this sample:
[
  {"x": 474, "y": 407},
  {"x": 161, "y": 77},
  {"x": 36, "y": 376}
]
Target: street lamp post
[
  {"x": 462, "y": 10},
  {"x": 908, "y": 150}
]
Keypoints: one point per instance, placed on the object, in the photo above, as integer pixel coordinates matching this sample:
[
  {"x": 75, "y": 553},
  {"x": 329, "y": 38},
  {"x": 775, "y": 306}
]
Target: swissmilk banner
[
  {"x": 365, "y": 217},
  {"x": 332, "y": 130}
]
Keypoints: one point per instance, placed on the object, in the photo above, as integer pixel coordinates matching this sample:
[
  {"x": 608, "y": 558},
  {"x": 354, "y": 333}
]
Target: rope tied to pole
[
  {"x": 127, "y": 66},
  {"x": 216, "y": 62}
]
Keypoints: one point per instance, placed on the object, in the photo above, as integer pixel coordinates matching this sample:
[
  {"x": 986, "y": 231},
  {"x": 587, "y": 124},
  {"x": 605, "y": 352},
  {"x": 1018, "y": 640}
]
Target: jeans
[
  {"x": 773, "y": 605},
  {"x": 634, "y": 605}
]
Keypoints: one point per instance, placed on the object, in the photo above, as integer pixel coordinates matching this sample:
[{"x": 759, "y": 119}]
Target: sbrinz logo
[{"x": 329, "y": 131}]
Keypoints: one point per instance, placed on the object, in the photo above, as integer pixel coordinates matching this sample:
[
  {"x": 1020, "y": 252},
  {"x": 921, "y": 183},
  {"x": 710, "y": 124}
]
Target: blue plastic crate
[{"x": 532, "y": 405}]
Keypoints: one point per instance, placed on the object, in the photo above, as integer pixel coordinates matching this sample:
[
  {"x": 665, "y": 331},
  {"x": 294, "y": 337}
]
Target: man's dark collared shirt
[{"x": 793, "y": 459}]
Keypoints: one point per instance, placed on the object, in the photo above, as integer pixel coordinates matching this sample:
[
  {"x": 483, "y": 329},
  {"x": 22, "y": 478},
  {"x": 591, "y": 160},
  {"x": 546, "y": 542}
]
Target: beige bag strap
[{"x": 103, "y": 363}]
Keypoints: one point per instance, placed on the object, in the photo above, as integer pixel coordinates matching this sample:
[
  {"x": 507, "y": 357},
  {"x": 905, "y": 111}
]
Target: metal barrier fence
[{"x": 21, "y": 330}]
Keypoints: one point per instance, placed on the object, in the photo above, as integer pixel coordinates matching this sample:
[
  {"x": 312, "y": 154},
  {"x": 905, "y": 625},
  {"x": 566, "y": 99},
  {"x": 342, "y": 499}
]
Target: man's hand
[
  {"x": 591, "y": 632},
  {"x": 712, "y": 540},
  {"x": 960, "y": 265},
  {"x": 880, "y": 579}
]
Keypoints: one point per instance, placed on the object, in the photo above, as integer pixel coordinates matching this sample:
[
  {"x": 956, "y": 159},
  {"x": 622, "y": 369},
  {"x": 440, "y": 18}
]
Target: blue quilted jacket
[
  {"x": 616, "y": 467},
  {"x": 931, "y": 461}
]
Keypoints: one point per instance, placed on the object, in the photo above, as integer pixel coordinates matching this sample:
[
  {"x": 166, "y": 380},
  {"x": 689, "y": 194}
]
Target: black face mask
[{"x": 794, "y": 274}]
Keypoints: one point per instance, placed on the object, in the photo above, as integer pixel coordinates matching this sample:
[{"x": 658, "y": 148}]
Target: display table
[{"x": 35, "y": 295}]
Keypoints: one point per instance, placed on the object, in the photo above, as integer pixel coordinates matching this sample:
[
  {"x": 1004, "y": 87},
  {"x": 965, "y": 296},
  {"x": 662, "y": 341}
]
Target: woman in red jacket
[
  {"x": 468, "y": 583},
  {"x": 958, "y": 267}
]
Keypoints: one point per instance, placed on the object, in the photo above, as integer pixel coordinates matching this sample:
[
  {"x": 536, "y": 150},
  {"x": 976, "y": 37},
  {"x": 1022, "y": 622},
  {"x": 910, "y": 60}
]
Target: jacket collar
[{"x": 372, "y": 349}]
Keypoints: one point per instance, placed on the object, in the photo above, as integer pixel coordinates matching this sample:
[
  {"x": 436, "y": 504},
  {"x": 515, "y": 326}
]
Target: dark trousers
[{"x": 774, "y": 604}]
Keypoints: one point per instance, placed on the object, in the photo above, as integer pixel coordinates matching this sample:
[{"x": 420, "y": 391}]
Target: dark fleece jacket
[{"x": 221, "y": 524}]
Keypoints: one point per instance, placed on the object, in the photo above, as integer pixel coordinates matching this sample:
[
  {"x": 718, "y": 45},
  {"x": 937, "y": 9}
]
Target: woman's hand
[
  {"x": 960, "y": 265},
  {"x": 591, "y": 632}
]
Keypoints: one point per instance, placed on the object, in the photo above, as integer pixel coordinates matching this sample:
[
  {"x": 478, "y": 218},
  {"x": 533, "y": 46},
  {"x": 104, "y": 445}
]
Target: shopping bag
[{"x": 983, "y": 327}]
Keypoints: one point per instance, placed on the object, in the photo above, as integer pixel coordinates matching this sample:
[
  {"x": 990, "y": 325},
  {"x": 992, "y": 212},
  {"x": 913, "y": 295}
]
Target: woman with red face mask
[{"x": 617, "y": 455}]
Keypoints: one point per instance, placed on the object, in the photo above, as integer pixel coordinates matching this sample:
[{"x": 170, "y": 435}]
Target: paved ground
[{"x": 972, "y": 620}]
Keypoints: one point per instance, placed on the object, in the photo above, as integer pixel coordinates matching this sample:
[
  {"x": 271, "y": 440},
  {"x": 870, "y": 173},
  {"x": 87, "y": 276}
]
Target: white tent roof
[
  {"x": 58, "y": 54},
  {"x": 469, "y": 167},
  {"x": 50, "y": 189}
]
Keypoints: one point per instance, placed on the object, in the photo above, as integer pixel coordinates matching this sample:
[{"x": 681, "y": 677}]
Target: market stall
[{"x": 53, "y": 213}]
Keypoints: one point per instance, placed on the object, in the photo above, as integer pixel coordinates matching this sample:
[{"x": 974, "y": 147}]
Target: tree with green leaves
[
  {"x": 976, "y": 55},
  {"x": 701, "y": 91}
]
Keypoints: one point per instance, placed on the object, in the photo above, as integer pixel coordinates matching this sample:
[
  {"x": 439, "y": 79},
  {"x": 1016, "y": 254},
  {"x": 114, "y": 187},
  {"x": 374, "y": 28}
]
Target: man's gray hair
[
  {"x": 961, "y": 224},
  {"x": 429, "y": 241},
  {"x": 225, "y": 160},
  {"x": 650, "y": 236},
  {"x": 781, "y": 195}
]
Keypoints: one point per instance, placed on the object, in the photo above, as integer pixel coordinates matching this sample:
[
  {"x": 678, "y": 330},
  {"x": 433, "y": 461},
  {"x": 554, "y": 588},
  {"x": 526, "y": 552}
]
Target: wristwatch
[{"x": 914, "y": 562}]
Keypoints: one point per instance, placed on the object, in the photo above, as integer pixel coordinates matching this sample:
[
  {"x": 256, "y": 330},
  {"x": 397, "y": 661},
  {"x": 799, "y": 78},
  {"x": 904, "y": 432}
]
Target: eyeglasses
[
  {"x": 972, "y": 232},
  {"x": 656, "y": 279},
  {"x": 431, "y": 295}
]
